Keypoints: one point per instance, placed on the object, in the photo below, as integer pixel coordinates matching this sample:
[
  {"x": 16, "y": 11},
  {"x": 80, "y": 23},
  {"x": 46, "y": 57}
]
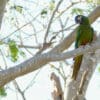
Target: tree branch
[
  {"x": 19, "y": 90},
  {"x": 40, "y": 60},
  {"x": 50, "y": 22},
  {"x": 57, "y": 93}
]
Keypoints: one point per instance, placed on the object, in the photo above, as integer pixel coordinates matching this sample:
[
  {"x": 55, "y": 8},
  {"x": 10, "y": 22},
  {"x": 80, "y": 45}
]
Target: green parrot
[{"x": 84, "y": 35}]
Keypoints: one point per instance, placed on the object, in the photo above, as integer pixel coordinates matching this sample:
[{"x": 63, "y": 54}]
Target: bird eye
[{"x": 79, "y": 18}]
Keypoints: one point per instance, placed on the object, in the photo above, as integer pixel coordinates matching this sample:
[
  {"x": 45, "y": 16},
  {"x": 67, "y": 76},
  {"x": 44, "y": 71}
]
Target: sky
[{"x": 42, "y": 86}]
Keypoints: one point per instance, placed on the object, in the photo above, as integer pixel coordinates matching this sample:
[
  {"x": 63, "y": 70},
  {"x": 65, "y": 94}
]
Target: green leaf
[
  {"x": 96, "y": 2},
  {"x": 13, "y": 50},
  {"x": 89, "y": 1},
  {"x": 77, "y": 11},
  {"x": 52, "y": 5},
  {"x": 1, "y": 42},
  {"x": 18, "y": 8},
  {"x": 99, "y": 69},
  {"x": 3, "y": 92},
  {"x": 22, "y": 53},
  {"x": 44, "y": 12}
]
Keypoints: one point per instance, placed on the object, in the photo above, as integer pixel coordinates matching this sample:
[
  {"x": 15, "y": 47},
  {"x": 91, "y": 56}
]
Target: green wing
[
  {"x": 77, "y": 38},
  {"x": 80, "y": 37}
]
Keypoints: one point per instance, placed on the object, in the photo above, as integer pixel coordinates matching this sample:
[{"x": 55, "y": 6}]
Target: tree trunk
[{"x": 2, "y": 9}]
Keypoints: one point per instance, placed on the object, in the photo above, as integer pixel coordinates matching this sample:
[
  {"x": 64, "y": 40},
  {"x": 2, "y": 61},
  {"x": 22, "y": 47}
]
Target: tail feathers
[{"x": 77, "y": 64}]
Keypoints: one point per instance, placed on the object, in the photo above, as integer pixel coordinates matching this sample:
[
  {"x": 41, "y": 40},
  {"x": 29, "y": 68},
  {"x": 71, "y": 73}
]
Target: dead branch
[{"x": 57, "y": 93}]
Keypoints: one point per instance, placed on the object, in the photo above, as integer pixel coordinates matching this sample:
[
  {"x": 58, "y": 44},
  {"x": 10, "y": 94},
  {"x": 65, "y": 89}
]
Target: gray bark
[
  {"x": 73, "y": 90},
  {"x": 2, "y": 9}
]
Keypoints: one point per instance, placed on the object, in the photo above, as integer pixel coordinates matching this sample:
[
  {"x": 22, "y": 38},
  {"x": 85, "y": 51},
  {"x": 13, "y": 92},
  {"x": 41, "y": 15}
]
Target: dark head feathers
[{"x": 81, "y": 19}]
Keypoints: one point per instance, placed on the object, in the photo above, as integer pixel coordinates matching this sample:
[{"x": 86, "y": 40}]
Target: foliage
[
  {"x": 52, "y": 5},
  {"x": 97, "y": 2},
  {"x": 77, "y": 11},
  {"x": 18, "y": 8},
  {"x": 99, "y": 69},
  {"x": 13, "y": 50},
  {"x": 44, "y": 12},
  {"x": 3, "y": 92}
]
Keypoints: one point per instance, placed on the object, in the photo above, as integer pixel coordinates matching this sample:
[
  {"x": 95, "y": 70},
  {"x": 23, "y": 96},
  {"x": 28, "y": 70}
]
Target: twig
[
  {"x": 57, "y": 32},
  {"x": 67, "y": 8},
  {"x": 32, "y": 81},
  {"x": 19, "y": 90},
  {"x": 62, "y": 27},
  {"x": 64, "y": 75},
  {"x": 19, "y": 28},
  {"x": 51, "y": 19},
  {"x": 27, "y": 46},
  {"x": 58, "y": 70},
  {"x": 4, "y": 59},
  {"x": 44, "y": 47},
  {"x": 69, "y": 27},
  {"x": 29, "y": 52}
]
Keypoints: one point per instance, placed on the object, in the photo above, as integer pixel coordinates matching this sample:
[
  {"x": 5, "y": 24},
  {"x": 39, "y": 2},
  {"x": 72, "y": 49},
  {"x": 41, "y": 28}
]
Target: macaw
[{"x": 84, "y": 35}]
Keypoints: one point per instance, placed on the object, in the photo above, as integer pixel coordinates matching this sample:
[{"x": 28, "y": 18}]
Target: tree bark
[
  {"x": 2, "y": 9},
  {"x": 75, "y": 90},
  {"x": 57, "y": 93}
]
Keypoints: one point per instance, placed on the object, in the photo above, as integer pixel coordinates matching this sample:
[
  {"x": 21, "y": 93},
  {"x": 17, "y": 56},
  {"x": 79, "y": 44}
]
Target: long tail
[{"x": 77, "y": 64}]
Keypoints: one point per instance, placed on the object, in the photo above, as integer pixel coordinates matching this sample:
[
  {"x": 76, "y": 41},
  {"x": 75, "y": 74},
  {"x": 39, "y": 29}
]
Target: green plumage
[{"x": 84, "y": 35}]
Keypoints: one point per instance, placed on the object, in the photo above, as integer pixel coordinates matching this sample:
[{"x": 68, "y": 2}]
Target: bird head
[{"x": 80, "y": 19}]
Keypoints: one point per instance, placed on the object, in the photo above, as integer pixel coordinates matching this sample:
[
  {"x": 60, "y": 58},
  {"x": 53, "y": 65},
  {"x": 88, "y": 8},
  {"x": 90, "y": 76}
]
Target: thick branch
[{"x": 40, "y": 60}]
